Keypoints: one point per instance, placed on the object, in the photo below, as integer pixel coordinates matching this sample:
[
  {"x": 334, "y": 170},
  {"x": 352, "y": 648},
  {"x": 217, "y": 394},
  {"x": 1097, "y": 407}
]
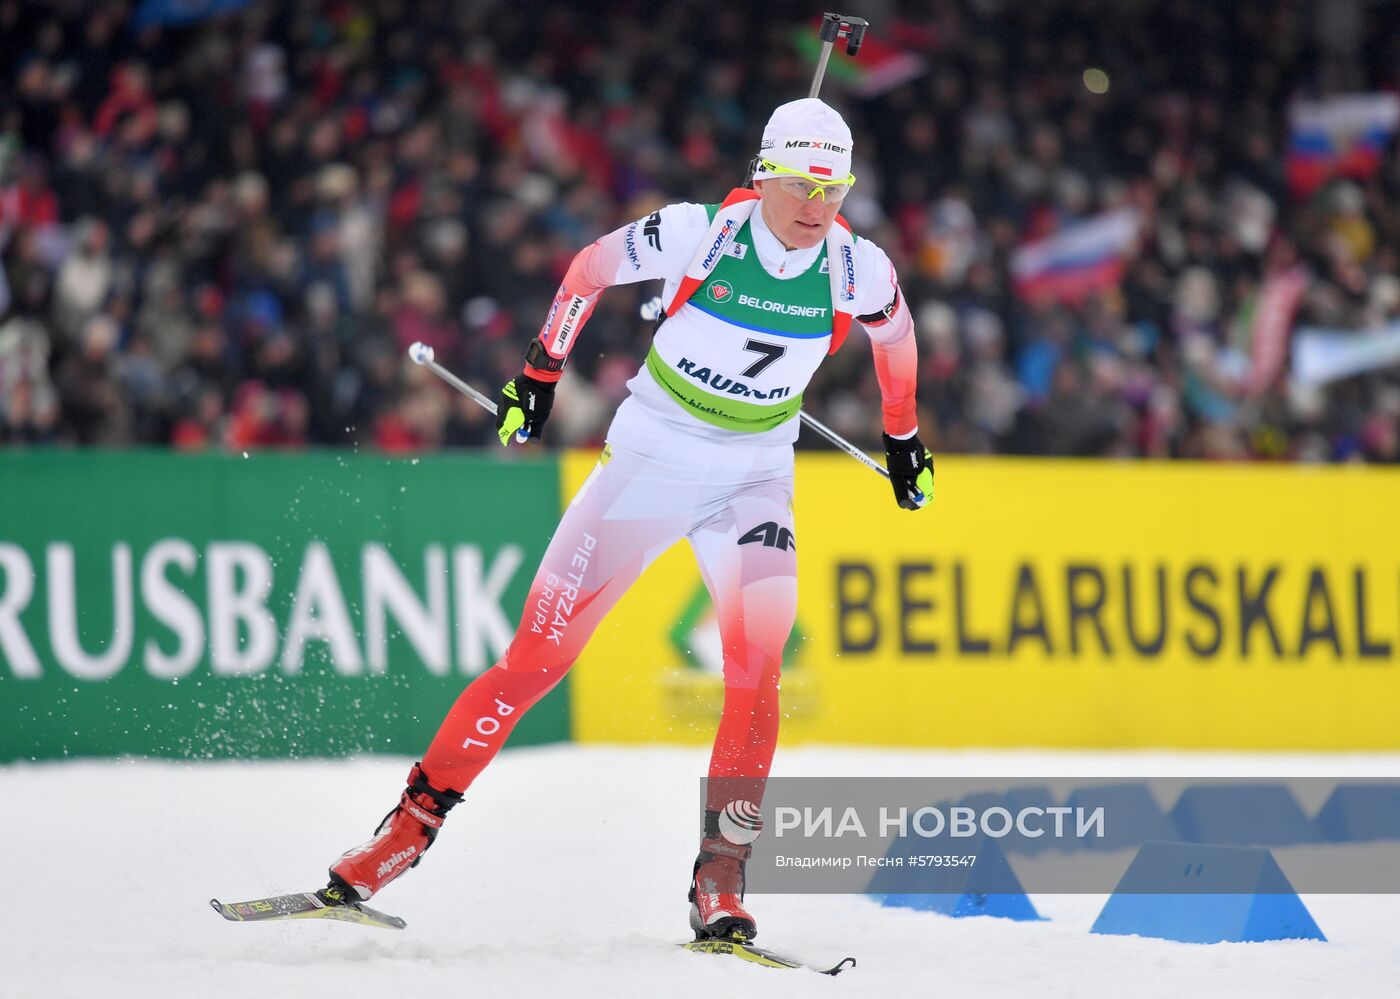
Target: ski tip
[
  {"x": 384, "y": 919},
  {"x": 220, "y": 908},
  {"x": 747, "y": 951}
]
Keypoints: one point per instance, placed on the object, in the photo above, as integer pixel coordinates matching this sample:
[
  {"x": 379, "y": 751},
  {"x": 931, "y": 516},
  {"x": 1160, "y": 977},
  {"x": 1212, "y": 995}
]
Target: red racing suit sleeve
[
  {"x": 587, "y": 276},
  {"x": 657, "y": 246},
  {"x": 891, "y": 330},
  {"x": 896, "y": 369}
]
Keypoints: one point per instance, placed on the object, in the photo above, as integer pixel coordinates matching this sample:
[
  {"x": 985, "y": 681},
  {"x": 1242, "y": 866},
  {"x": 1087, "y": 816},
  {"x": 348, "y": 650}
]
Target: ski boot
[
  {"x": 717, "y": 887},
  {"x": 398, "y": 843}
]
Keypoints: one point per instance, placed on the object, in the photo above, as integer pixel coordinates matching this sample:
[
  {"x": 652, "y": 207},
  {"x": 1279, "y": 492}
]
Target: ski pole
[
  {"x": 421, "y": 353},
  {"x": 843, "y": 444}
]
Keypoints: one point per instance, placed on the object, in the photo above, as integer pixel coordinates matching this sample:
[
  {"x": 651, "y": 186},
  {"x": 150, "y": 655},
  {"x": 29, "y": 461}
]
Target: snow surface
[{"x": 564, "y": 874}]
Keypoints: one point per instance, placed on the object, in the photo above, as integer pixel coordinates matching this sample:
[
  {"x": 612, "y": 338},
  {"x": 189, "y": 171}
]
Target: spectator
[{"x": 224, "y": 234}]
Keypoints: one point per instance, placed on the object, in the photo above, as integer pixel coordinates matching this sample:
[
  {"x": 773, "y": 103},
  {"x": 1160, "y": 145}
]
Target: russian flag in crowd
[
  {"x": 1083, "y": 258},
  {"x": 1338, "y": 137}
]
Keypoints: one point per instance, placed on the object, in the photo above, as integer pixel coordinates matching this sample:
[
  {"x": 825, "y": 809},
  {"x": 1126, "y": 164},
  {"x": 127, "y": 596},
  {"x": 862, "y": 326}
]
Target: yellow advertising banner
[{"x": 1045, "y": 603}]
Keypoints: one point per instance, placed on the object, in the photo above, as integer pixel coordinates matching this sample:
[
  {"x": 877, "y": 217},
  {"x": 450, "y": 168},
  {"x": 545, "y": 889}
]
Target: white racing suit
[{"x": 701, "y": 450}]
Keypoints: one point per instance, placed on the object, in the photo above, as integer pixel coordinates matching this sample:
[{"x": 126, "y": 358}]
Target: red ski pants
[{"x": 733, "y": 503}]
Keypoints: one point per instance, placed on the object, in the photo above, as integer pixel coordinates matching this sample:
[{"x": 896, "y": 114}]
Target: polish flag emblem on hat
[{"x": 820, "y": 168}]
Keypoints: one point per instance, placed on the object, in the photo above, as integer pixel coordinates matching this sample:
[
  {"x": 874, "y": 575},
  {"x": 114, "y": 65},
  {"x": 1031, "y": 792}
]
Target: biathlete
[{"x": 758, "y": 291}]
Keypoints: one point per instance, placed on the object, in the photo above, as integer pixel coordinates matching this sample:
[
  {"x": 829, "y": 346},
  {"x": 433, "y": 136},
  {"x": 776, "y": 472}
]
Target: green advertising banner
[{"x": 275, "y": 605}]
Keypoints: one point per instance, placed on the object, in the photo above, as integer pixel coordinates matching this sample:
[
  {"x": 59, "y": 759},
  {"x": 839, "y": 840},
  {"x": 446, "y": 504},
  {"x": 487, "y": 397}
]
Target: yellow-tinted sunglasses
[{"x": 805, "y": 187}]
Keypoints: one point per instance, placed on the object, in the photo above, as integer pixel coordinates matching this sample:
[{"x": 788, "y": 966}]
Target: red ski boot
[
  {"x": 400, "y": 841},
  {"x": 717, "y": 887},
  {"x": 715, "y": 912}
]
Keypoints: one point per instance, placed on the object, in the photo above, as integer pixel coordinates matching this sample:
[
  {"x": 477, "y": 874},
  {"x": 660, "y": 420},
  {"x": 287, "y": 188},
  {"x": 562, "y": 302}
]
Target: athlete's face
[{"x": 799, "y": 223}]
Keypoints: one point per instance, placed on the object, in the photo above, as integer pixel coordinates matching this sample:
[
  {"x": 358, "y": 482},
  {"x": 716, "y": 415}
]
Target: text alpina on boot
[{"x": 400, "y": 841}]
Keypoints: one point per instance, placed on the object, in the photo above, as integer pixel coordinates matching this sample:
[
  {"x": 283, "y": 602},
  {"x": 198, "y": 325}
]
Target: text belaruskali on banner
[{"x": 1046, "y": 603}]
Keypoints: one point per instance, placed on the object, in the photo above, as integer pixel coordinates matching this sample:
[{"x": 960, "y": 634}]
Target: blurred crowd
[{"x": 225, "y": 234}]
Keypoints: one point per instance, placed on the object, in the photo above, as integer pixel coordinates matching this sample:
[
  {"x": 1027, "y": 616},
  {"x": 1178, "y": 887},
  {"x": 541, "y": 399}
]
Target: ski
[
  {"x": 763, "y": 958},
  {"x": 324, "y": 904}
]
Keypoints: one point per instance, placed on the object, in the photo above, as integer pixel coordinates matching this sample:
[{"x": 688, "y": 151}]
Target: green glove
[
  {"x": 911, "y": 471},
  {"x": 523, "y": 407}
]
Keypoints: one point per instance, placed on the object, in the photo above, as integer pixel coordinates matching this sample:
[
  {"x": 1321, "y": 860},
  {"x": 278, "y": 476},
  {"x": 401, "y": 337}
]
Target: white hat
[{"x": 808, "y": 136}]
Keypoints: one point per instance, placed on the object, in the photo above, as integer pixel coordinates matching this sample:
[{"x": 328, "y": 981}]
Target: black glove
[
  {"x": 911, "y": 471},
  {"x": 523, "y": 407}
]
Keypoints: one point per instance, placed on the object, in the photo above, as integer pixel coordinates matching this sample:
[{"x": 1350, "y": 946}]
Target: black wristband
[{"x": 539, "y": 358}]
